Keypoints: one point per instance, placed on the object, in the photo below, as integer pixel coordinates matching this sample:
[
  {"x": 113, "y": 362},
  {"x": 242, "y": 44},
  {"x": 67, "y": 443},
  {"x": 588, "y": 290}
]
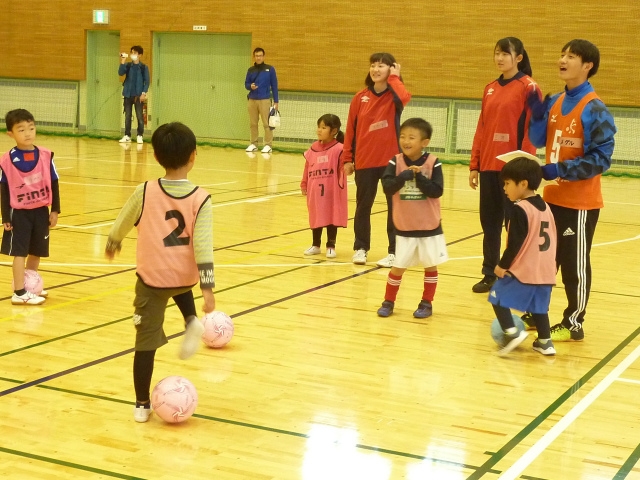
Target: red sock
[
  {"x": 393, "y": 285},
  {"x": 430, "y": 284}
]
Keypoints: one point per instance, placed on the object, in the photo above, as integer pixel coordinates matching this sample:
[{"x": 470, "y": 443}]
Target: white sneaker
[
  {"x": 266, "y": 149},
  {"x": 251, "y": 148},
  {"x": 513, "y": 342},
  {"x": 139, "y": 139},
  {"x": 141, "y": 414},
  {"x": 27, "y": 299},
  {"x": 125, "y": 139},
  {"x": 43, "y": 294},
  {"x": 387, "y": 262},
  {"x": 191, "y": 340},
  {"x": 312, "y": 250},
  {"x": 331, "y": 252},
  {"x": 360, "y": 257}
]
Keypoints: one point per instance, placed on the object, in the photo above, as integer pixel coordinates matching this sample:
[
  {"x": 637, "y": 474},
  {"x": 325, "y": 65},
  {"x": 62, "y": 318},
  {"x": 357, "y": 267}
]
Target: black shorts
[{"x": 30, "y": 233}]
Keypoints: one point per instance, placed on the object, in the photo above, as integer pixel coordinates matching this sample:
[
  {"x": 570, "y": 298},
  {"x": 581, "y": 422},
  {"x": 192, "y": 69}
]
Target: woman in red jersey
[
  {"x": 371, "y": 140},
  {"x": 502, "y": 127}
]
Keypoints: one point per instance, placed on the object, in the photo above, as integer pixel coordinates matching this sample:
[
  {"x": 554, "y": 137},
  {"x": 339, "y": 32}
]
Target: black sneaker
[
  {"x": 386, "y": 309},
  {"x": 484, "y": 285},
  {"x": 560, "y": 333},
  {"x": 424, "y": 310},
  {"x": 527, "y": 319}
]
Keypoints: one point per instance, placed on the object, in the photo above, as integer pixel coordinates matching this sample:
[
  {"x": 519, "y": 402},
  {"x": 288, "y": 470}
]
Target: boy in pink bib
[{"x": 28, "y": 187}]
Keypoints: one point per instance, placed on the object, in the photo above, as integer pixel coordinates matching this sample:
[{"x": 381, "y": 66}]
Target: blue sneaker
[
  {"x": 425, "y": 309},
  {"x": 544, "y": 348},
  {"x": 386, "y": 309}
]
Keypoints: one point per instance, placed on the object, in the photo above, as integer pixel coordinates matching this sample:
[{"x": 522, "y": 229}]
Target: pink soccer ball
[
  {"x": 218, "y": 329},
  {"x": 174, "y": 399},
  {"x": 32, "y": 282}
]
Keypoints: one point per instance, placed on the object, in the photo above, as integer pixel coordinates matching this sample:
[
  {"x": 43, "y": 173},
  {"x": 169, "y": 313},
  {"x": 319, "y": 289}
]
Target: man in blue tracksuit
[
  {"x": 134, "y": 91},
  {"x": 262, "y": 82}
]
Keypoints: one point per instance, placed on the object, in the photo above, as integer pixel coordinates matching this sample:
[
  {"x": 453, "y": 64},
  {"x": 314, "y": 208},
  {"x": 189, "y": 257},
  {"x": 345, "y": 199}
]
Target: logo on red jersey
[{"x": 364, "y": 99}]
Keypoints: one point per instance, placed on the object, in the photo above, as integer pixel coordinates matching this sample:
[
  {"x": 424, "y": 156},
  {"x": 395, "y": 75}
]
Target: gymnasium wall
[{"x": 445, "y": 47}]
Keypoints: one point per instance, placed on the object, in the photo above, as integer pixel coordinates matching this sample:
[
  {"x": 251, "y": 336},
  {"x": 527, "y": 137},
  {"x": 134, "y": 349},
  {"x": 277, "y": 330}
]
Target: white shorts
[{"x": 424, "y": 251}]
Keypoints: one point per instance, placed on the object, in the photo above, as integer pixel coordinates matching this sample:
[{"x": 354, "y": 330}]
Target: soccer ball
[
  {"x": 218, "y": 329},
  {"x": 32, "y": 282},
  {"x": 174, "y": 399},
  {"x": 496, "y": 330}
]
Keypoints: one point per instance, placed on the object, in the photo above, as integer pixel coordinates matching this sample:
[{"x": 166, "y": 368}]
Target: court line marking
[
  {"x": 222, "y": 265},
  {"x": 547, "y": 412},
  {"x": 262, "y": 198},
  {"x": 613, "y": 242},
  {"x": 485, "y": 468},
  {"x": 628, "y": 380},
  {"x": 63, "y": 463},
  {"x": 85, "y": 227},
  {"x": 131, "y": 186},
  {"x": 38, "y": 382},
  {"x": 628, "y": 464},
  {"x": 530, "y": 455},
  {"x": 240, "y": 424},
  {"x": 30, "y": 310}
]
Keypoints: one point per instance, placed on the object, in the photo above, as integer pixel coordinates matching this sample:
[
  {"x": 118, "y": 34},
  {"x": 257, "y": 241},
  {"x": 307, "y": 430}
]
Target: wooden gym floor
[{"x": 313, "y": 385}]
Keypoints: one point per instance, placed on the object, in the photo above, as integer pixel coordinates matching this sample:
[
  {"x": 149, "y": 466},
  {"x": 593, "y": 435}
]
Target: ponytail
[
  {"x": 525, "y": 66},
  {"x": 340, "y": 136}
]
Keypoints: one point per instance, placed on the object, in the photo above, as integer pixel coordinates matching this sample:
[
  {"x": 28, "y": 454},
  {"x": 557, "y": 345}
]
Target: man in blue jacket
[
  {"x": 134, "y": 91},
  {"x": 261, "y": 81}
]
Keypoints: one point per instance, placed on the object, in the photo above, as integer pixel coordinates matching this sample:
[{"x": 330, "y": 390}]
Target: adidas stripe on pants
[{"x": 575, "y": 235}]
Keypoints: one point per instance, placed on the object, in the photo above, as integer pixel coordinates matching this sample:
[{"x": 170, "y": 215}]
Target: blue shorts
[{"x": 509, "y": 292}]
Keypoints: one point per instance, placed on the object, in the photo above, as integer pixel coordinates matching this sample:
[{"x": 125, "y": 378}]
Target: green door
[
  {"x": 104, "y": 90},
  {"x": 199, "y": 80}
]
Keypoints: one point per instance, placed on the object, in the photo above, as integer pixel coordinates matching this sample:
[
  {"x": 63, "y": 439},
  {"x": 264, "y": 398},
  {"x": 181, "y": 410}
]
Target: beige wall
[{"x": 445, "y": 47}]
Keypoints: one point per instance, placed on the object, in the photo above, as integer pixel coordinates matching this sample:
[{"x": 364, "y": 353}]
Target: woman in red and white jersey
[
  {"x": 371, "y": 140},
  {"x": 502, "y": 128}
]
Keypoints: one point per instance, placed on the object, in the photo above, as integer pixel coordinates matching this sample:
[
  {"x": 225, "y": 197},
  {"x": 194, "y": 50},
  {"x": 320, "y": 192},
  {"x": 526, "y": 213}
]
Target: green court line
[
  {"x": 112, "y": 322},
  {"x": 62, "y": 463},
  {"x": 252, "y": 426},
  {"x": 628, "y": 465},
  {"x": 511, "y": 444},
  {"x": 480, "y": 471}
]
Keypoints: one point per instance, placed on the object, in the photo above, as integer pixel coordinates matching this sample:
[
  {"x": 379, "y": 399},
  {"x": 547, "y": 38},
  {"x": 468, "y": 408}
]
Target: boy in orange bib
[{"x": 578, "y": 132}]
